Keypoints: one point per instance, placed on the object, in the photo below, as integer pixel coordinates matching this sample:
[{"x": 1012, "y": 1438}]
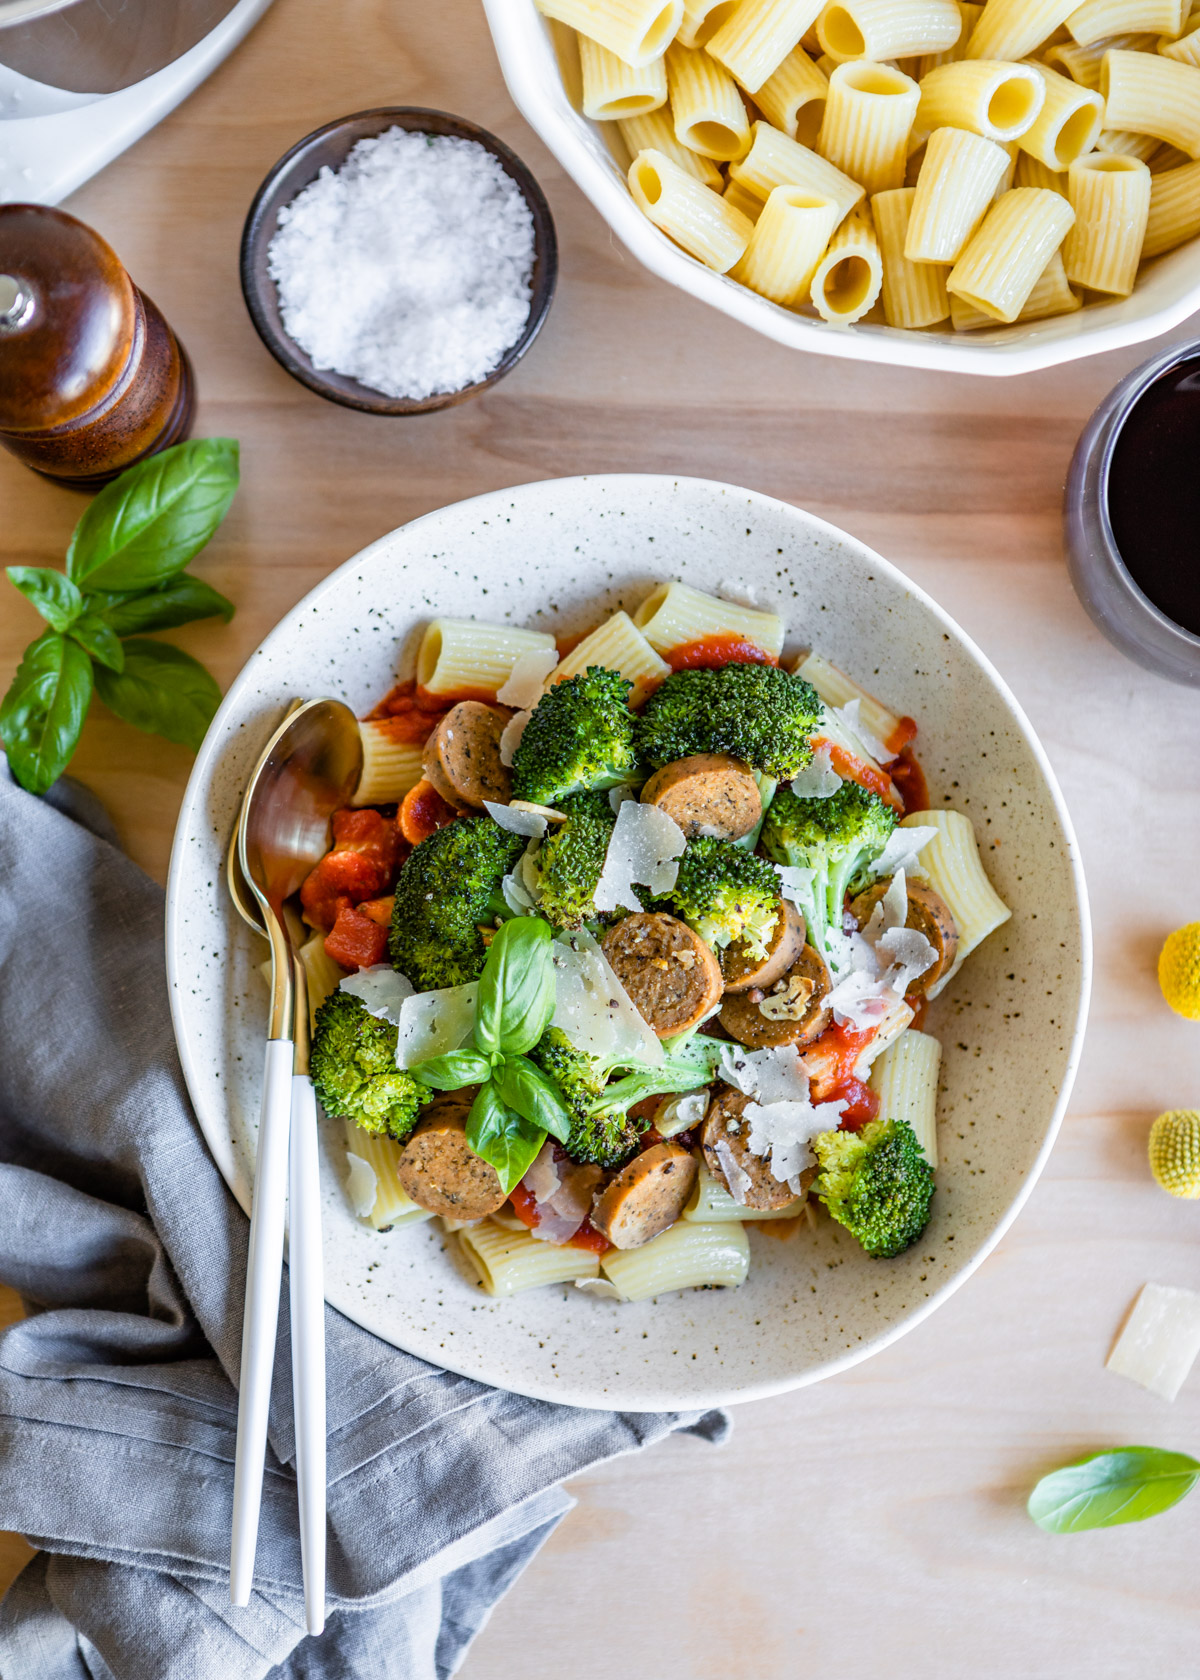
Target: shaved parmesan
[
  {"x": 527, "y": 677},
  {"x": 515, "y": 820},
  {"x": 510, "y": 736},
  {"x": 850, "y": 719},
  {"x": 1160, "y": 1340},
  {"x": 432, "y": 1023},
  {"x": 736, "y": 1176},
  {"x": 741, "y": 594},
  {"x": 645, "y": 847},
  {"x": 860, "y": 999},
  {"x": 562, "y": 1193},
  {"x": 380, "y": 989},
  {"x": 900, "y": 853},
  {"x": 794, "y": 881},
  {"x": 783, "y": 1133},
  {"x": 593, "y": 1008},
  {"x": 619, "y": 794},
  {"x": 516, "y": 894},
  {"x": 818, "y": 780},
  {"x": 773, "y": 1075},
  {"x": 600, "y": 1286},
  {"x": 362, "y": 1186},
  {"x": 910, "y": 955},
  {"x": 680, "y": 1112}
]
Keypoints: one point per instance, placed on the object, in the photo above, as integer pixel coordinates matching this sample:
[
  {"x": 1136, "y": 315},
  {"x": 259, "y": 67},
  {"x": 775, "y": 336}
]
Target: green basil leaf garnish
[
  {"x": 161, "y": 690},
  {"x": 181, "y": 601},
  {"x": 526, "y": 1089},
  {"x": 502, "y": 1138},
  {"x": 516, "y": 988},
  {"x": 96, "y": 638},
  {"x": 52, "y": 593},
  {"x": 1125, "y": 1485},
  {"x": 42, "y": 714},
  {"x": 453, "y": 1070}
]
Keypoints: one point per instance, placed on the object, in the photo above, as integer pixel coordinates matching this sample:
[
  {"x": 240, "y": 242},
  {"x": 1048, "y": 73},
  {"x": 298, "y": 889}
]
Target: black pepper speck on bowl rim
[{"x": 331, "y": 145}]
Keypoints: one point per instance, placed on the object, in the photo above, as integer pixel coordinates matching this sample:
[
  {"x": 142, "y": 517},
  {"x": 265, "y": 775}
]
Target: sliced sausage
[
  {"x": 438, "y": 1170},
  {"x": 742, "y": 969},
  {"x": 709, "y": 793},
  {"x": 793, "y": 1011},
  {"x": 668, "y": 971},
  {"x": 462, "y": 756},
  {"x": 725, "y": 1140},
  {"x": 929, "y": 914},
  {"x": 646, "y": 1196}
]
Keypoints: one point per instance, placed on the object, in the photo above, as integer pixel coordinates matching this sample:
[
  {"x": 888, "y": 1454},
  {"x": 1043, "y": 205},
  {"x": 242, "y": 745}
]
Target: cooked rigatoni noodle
[
  {"x": 998, "y": 101},
  {"x": 882, "y": 29},
  {"x": 931, "y": 61},
  {"x": 897, "y": 1019},
  {"x": 849, "y": 276},
  {"x": 692, "y": 214},
  {"x": 748, "y": 203},
  {"x": 619, "y": 646},
  {"x": 912, "y": 168},
  {"x": 775, "y": 161},
  {"x": 756, "y": 39},
  {"x": 702, "y": 19},
  {"x": 459, "y": 656},
  {"x": 1082, "y": 64},
  {"x": 868, "y": 118},
  {"x": 1068, "y": 123},
  {"x": 392, "y": 1204},
  {"x": 914, "y": 294},
  {"x": 957, "y": 183},
  {"x": 1032, "y": 172},
  {"x": 1166, "y": 157},
  {"x": 614, "y": 89},
  {"x": 1142, "y": 146},
  {"x": 636, "y": 30},
  {"x": 1010, "y": 249},
  {"x": 321, "y": 974},
  {"x": 509, "y": 1261},
  {"x": 674, "y": 615},
  {"x": 794, "y": 97},
  {"x": 952, "y": 866},
  {"x": 1110, "y": 196},
  {"x": 1012, "y": 151},
  {"x": 1051, "y": 296},
  {"x": 1174, "y": 209},
  {"x": 655, "y": 132},
  {"x": 710, "y": 1203},
  {"x": 390, "y": 767},
  {"x": 786, "y": 246},
  {"x": 835, "y": 688},
  {"x": 1152, "y": 95},
  {"x": 905, "y": 1079},
  {"x": 1097, "y": 19},
  {"x": 1186, "y": 50},
  {"x": 706, "y": 105},
  {"x": 688, "y": 1255},
  {"x": 1010, "y": 29}
]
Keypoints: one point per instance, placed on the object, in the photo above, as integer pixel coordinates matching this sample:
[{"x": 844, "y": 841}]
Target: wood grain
[{"x": 874, "y": 1524}]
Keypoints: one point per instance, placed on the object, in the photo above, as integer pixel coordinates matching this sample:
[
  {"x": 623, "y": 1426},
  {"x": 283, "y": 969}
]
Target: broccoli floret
[
  {"x": 579, "y": 736},
  {"x": 607, "y": 1139},
  {"x": 448, "y": 887},
  {"x": 354, "y": 1072},
  {"x": 877, "y": 1183},
  {"x": 757, "y": 713},
  {"x": 724, "y": 894},
  {"x": 835, "y": 838},
  {"x": 570, "y": 859}
]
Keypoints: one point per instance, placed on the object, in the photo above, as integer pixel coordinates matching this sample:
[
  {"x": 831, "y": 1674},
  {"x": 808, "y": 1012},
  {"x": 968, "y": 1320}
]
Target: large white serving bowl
[
  {"x": 559, "y": 555},
  {"x": 543, "y": 82}
]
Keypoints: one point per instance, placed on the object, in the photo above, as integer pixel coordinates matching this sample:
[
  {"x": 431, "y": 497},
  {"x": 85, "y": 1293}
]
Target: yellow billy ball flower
[
  {"x": 1179, "y": 971},
  {"x": 1175, "y": 1152}
]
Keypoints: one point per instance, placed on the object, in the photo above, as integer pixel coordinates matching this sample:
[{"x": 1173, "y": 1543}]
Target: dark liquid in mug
[{"x": 1154, "y": 494}]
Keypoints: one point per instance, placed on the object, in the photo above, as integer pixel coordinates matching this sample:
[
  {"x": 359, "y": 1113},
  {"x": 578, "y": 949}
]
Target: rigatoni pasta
[
  {"x": 788, "y": 241},
  {"x": 905, "y": 1079},
  {"x": 998, "y": 101},
  {"x": 391, "y": 762},
  {"x": 461, "y": 657},
  {"x": 1011, "y": 29},
  {"x": 952, "y": 866},
  {"x": 1097, "y": 20},
  {"x": 755, "y": 39},
  {"x": 849, "y": 277},
  {"x": 1082, "y": 64},
  {"x": 775, "y": 161},
  {"x": 969, "y": 13},
  {"x": 508, "y": 1262},
  {"x": 689, "y": 1255},
  {"x": 888, "y": 29},
  {"x": 1052, "y": 295},
  {"x": 618, "y": 645},
  {"x": 868, "y": 118},
  {"x": 702, "y": 19},
  {"x": 914, "y": 294},
  {"x": 1174, "y": 214},
  {"x": 613, "y": 89},
  {"x": 1151, "y": 94},
  {"x": 706, "y": 105},
  {"x": 1004, "y": 258},
  {"x": 1068, "y": 123},
  {"x": 655, "y": 132},
  {"x": 957, "y": 183},
  {"x": 692, "y": 214},
  {"x": 793, "y": 98},
  {"x": 636, "y": 30},
  {"x": 1110, "y": 196},
  {"x": 674, "y": 615}
]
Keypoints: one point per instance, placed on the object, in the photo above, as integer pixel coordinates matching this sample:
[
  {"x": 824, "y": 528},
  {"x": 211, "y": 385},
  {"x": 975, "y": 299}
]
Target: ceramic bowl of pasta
[
  {"x": 934, "y": 183},
  {"x": 698, "y": 972}
]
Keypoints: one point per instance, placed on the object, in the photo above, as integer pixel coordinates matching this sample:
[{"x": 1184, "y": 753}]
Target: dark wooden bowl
[{"x": 331, "y": 145}]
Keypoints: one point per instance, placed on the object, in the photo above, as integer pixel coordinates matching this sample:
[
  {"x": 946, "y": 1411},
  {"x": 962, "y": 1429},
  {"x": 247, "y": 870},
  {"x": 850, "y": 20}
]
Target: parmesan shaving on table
[{"x": 1160, "y": 1341}]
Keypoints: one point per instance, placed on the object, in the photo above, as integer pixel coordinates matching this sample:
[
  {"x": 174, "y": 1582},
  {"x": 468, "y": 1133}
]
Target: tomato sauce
[
  {"x": 904, "y": 732},
  {"x": 910, "y": 781},
  {"x": 829, "y": 1062},
  {"x": 587, "y": 1237},
  {"x": 714, "y": 652},
  {"x": 412, "y": 717},
  {"x": 852, "y": 769},
  {"x": 862, "y": 1104}
]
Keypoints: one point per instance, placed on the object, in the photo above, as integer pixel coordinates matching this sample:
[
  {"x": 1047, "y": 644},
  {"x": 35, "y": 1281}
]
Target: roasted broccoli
[
  {"x": 835, "y": 838},
  {"x": 579, "y": 736},
  {"x": 448, "y": 887},
  {"x": 354, "y": 1072},
  {"x": 567, "y": 865},
  {"x": 757, "y": 713},
  {"x": 877, "y": 1183},
  {"x": 724, "y": 894}
]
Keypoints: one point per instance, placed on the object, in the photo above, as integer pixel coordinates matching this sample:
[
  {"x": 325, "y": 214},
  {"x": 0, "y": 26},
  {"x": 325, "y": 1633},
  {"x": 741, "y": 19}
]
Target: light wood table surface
[{"x": 873, "y": 1525}]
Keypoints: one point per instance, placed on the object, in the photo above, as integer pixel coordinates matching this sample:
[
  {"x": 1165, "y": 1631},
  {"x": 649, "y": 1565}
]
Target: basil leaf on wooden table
[
  {"x": 525, "y": 1088},
  {"x": 161, "y": 690},
  {"x": 502, "y": 1138},
  {"x": 42, "y": 714},
  {"x": 1127, "y": 1484},
  {"x": 516, "y": 988},
  {"x": 181, "y": 601},
  {"x": 52, "y": 593},
  {"x": 96, "y": 638},
  {"x": 453, "y": 1070},
  {"x": 146, "y": 525}
]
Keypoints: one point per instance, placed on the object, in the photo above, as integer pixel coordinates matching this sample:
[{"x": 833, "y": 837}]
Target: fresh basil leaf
[
  {"x": 453, "y": 1070},
  {"x": 516, "y": 988},
  {"x": 43, "y": 712},
  {"x": 147, "y": 524},
  {"x": 181, "y": 601},
  {"x": 96, "y": 638},
  {"x": 161, "y": 690},
  {"x": 1125, "y": 1485},
  {"x": 502, "y": 1138},
  {"x": 524, "y": 1087},
  {"x": 52, "y": 593}
]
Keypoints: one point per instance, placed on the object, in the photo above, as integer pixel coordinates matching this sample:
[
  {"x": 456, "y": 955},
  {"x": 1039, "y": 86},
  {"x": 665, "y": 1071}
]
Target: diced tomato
[
  {"x": 423, "y": 812},
  {"x": 713, "y": 652},
  {"x": 362, "y": 865},
  {"x": 829, "y": 1062},
  {"x": 588, "y": 1237},
  {"x": 910, "y": 781},
  {"x": 379, "y": 910},
  {"x": 852, "y": 769},
  {"x": 524, "y": 1205},
  {"x": 862, "y": 1104},
  {"x": 356, "y": 941}
]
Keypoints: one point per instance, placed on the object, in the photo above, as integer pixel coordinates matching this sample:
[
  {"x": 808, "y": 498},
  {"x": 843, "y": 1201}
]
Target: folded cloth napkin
[{"x": 117, "y": 1394}]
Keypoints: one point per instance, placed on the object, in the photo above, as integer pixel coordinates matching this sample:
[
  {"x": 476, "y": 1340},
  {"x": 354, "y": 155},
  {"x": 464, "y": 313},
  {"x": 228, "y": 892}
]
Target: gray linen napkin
[{"x": 117, "y": 1398}]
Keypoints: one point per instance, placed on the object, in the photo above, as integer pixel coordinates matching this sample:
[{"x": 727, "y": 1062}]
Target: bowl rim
[{"x": 292, "y": 358}]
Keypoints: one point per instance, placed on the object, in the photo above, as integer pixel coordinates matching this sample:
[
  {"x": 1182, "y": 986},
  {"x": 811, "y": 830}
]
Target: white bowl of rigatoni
[{"x": 933, "y": 183}]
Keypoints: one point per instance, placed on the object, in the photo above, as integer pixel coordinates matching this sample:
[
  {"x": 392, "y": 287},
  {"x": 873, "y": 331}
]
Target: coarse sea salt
[{"x": 409, "y": 269}]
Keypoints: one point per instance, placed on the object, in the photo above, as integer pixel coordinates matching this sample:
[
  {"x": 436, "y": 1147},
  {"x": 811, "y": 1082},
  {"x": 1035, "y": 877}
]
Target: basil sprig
[
  {"x": 516, "y": 1105},
  {"x": 1124, "y": 1485},
  {"x": 124, "y": 575}
]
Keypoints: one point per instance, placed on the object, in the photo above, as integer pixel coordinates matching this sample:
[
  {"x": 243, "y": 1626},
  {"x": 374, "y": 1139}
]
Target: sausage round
[
  {"x": 725, "y": 1140},
  {"x": 462, "y": 756},
  {"x": 801, "y": 991},
  {"x": 668, "y": 971},
  {"x": 646, "y": 1196},
  {"x": 742, "y": 970},
  {"x": 929, "y": 913},
  {"x": 709, "y": 793},
  {"x": 438, "y": 1169}
]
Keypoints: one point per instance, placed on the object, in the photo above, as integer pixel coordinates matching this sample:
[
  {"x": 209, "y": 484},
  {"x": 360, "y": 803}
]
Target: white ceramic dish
[
  {"x": 1168, "y": 290},
  {"x": 558, "y": 554}
]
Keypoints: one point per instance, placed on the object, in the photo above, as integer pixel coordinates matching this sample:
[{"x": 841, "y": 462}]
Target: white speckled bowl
[{"x": 555, "y": 555}]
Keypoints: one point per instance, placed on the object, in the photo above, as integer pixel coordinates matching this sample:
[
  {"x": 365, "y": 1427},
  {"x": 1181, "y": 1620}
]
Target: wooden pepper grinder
[{"x": 92, "y": 378}]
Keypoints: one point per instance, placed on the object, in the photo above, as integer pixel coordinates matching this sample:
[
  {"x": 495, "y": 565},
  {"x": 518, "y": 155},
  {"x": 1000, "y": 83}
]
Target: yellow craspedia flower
[
  {"x": 1179, "y": 971},
  {"x": 1175, "y": 1152}
]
